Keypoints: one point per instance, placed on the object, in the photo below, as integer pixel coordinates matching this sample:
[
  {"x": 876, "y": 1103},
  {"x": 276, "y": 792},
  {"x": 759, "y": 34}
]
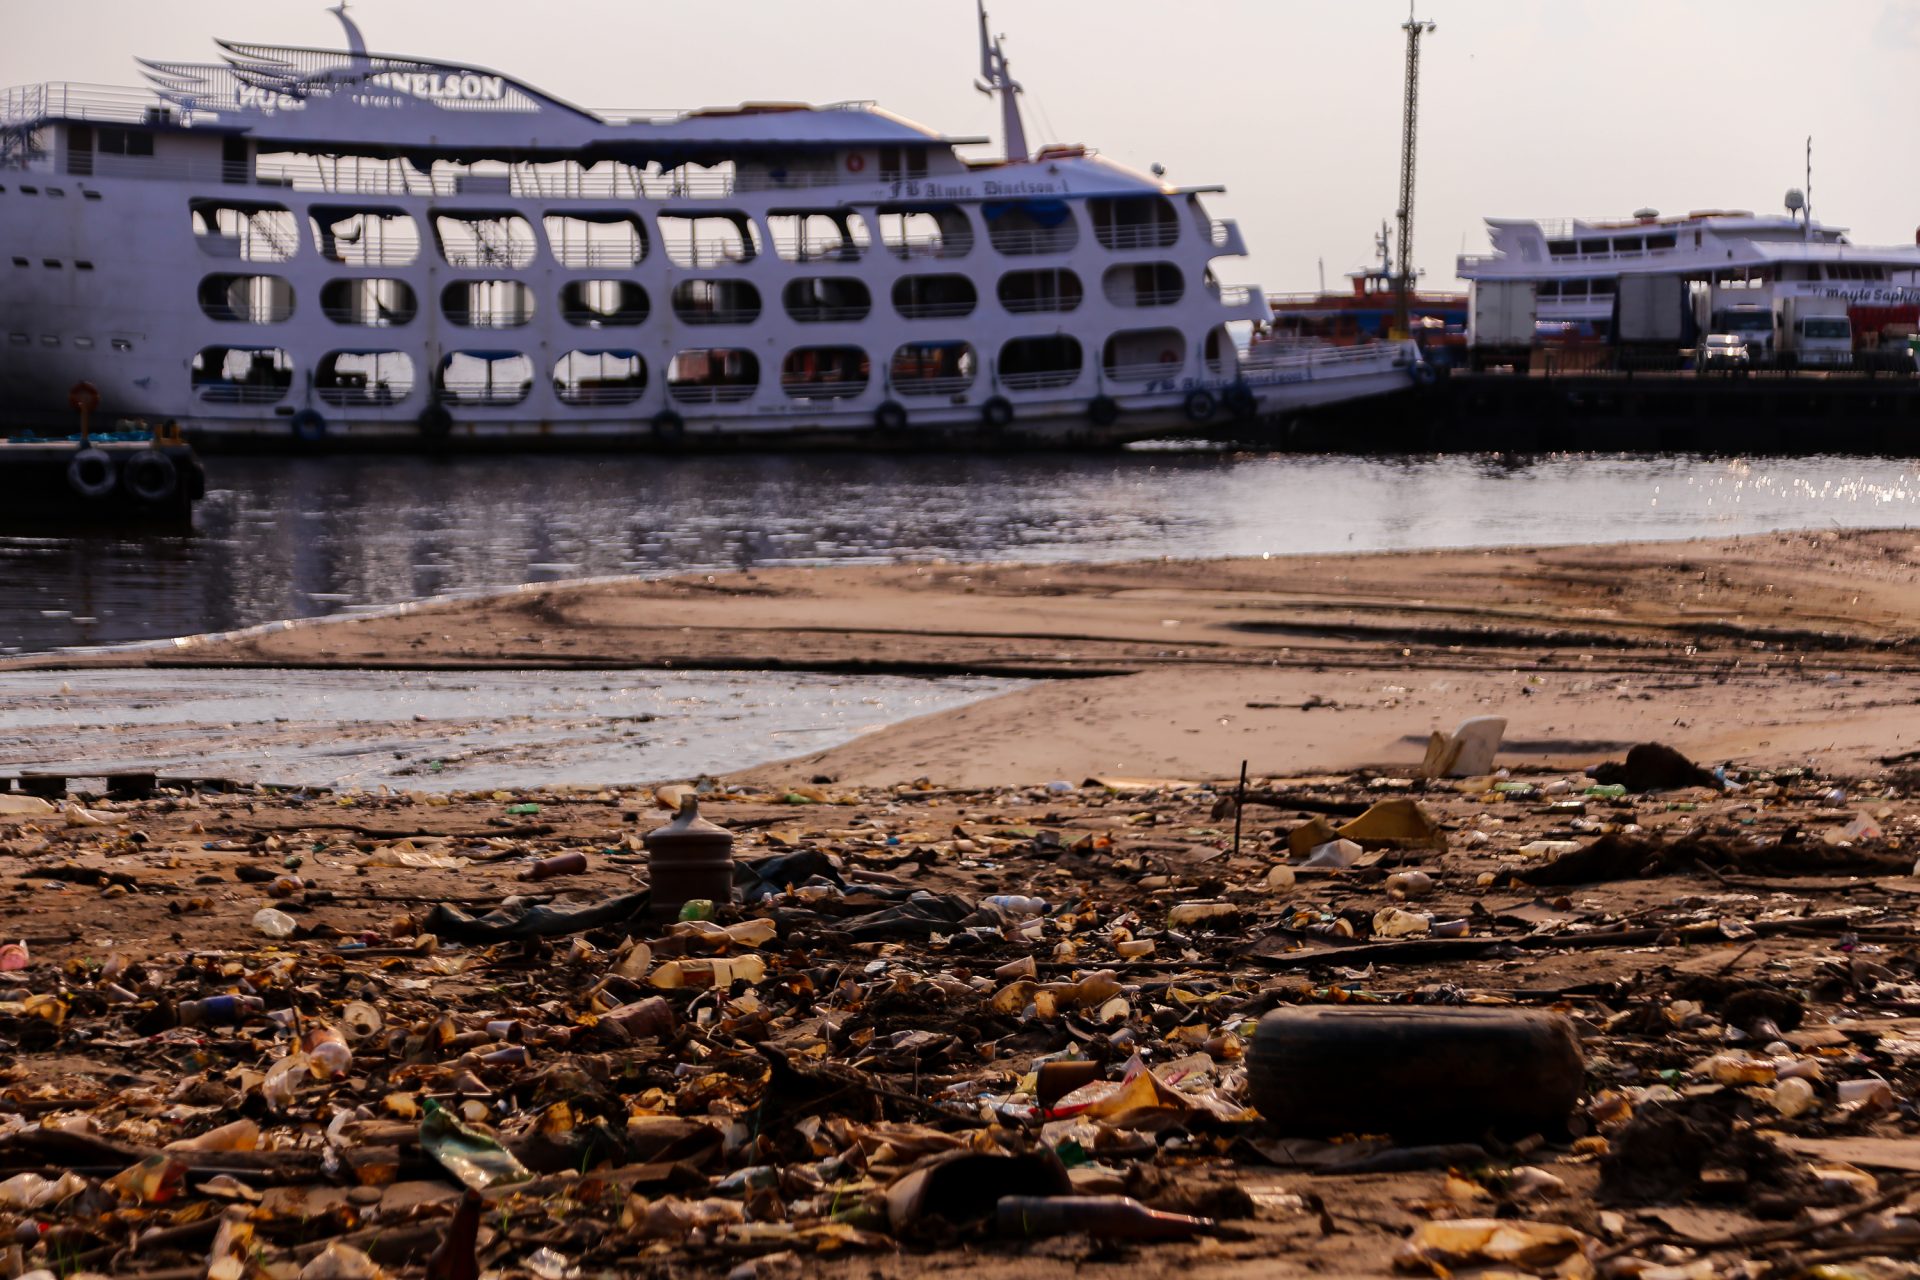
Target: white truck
[
  {"x": 1812, "y": 331},
  {"x": 1734, "y": 311},
  {"x": 1500, "y": 323}
]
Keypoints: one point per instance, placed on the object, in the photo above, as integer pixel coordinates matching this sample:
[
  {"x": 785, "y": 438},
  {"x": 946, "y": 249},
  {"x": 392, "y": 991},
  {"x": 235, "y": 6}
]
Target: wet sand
[{"x": 1792, "y": 646}]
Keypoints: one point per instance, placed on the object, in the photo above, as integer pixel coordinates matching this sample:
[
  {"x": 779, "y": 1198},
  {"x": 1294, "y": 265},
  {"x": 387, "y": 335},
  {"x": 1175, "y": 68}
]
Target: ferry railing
[
  {"x": 1036, "y": 306},
  {"x": 72, "y": 100},
  {"x": 710, "y": 253},
  {"x": 1147, "y": 372},
  {"x": 936, "y": 310},
  {"x": 711, "y": 393},
  {"x": 1232, "y": 295},
  {"x": 379, "y": 396},
  {"x": 1039, "y": 380},
  {"x": 828, "y": 315},
  {"x": 369, "y": 317},
  {"x": 797, "y": 249},
  {"x": 485, "y": 394},
  {"x": 619, "y": 256},
  {"x": 717, "y": 315},
  {"x": 814, "y": 389},
  {"x": 957, "y": 384},
  {"x": 242, "y": 392},
  {"x": 1150, "y": 297},
  {"x": 1143, "y": 235},
  {"x": 931, "y": 247},
  {"x": 1029, "y": 241},
  {"x": 588, "y": 395}
]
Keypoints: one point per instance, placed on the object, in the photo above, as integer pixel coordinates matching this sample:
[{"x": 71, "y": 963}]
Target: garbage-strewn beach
[{"x": 987, "y": 970}]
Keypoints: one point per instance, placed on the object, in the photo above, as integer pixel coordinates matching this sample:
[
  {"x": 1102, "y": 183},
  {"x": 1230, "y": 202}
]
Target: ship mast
[
  {"x": 997, "y": 78},
  {"x": 1403, "y": 320}
]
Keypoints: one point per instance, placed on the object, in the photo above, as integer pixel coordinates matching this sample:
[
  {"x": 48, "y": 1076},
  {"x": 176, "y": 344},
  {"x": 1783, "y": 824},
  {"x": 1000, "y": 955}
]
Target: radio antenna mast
[
  {"x": 996, "y": 77},
  {"x": 1409, "y": 132}
]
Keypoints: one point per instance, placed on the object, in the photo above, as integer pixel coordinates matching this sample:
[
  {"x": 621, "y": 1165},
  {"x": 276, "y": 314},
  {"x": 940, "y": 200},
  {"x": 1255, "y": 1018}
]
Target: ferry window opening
[
  {"x": 487, "y": 304},
  {"x": 240, "y": 375},
  {"x": 827, "y": 299},
  {"x": 1561, "y": 248},
  {"x": 1142, "y": 355},
  {"x": 1052, "y": 290},
  {"x": 365, "y": 237},
  {"x": 589, "y": 378},
  {"x": 825, "y": 373},
  {"x": 925, "y": 231},
  {"x": 716, "y": 302},
  {"x": 248, "y": 231},
  {"x": 1145, "y": 284},
  {"x": 595, "y": 304},
  {"x": 125, "y": 142},
  {"x": 364, "y": 379},
  {"x": 902, "y": 163},
  {"x": 237, "y": 299},
  {"x": 612, "y": 239},
  {"x": 933, "y": 368},
  {"x": 1589, "y": 247},
  {"x": 714, "y": 375},
  {"x": 1020, "y": 228},
  {"x": 1033, "y": 364},
  {"x": 709, "y": 239},
  {"x": 805, "y": 235},
  {"x": 485, "y": 239},
  {"x": 486, "y": 378},
  {"x": 369, "y": 303},
  {"x": 934, "y": 297},
  {"x": 1656, "y": 244},
  {"x": 1134, "y": 222}
]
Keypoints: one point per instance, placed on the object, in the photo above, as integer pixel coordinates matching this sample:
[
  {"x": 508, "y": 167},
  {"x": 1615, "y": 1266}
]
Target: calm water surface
[{"x": 284, "y": 538}]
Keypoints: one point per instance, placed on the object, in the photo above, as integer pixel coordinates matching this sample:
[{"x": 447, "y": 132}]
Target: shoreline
[{"x": 1184, "y": 668}]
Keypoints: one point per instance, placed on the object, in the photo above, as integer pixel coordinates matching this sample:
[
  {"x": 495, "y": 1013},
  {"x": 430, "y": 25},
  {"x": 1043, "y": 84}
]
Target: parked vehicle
[
  {"x": 1724, "y": 351},
  {"x": 1812, "y": 331}
]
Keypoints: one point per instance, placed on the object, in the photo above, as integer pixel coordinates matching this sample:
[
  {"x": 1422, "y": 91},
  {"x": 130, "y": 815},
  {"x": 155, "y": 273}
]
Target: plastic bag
[{"x": 474, "y": 1157}]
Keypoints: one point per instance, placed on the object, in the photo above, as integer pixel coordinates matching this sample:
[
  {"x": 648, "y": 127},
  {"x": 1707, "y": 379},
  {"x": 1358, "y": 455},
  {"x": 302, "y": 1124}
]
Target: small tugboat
[{"x": 128, "y": 476}]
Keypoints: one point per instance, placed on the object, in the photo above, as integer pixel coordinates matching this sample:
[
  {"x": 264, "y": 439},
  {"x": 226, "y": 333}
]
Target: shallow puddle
[{"x": 441, "y": 731}]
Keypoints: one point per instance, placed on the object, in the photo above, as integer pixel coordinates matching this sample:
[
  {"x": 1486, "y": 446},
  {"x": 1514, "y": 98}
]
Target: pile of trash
[{"x": 1664, "y": 1027}]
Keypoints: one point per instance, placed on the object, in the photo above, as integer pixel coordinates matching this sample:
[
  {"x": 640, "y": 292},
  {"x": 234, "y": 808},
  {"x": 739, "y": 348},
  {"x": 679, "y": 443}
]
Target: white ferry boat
[
  {"x": 1578, "y": 263},
  {"x": 315, "y": 245}
]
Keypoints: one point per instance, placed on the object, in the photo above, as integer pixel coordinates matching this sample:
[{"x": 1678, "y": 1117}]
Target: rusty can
[{"x": 688, "y": 858}]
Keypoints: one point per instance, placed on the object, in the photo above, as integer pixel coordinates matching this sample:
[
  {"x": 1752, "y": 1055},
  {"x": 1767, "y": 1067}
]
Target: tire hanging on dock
[
  {"x": 669, "y": 428},
  {"x": 309, "y": 426},
  {"x": 435, "y": 422},
  {"x": 150, "y": 477},
  {"x": 90, "y": 473}
]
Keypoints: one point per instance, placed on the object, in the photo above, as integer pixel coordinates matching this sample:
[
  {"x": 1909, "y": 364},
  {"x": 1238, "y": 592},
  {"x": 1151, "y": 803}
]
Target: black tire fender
[
  {"x": 669, "y": 427},
  {"x": 891, "y": 416},
  {"x": 1201, "y": 406},
  {"x": 997, "y": 413},
  {"x": 91, "y": 473},
  {"x": 151, "y": 477},
  {"x": 435, "y": 422},
  {"x": 1240, "y": 401},
  {"x": 309, "y": 426},
  {"x": 1103, "y": 411}
]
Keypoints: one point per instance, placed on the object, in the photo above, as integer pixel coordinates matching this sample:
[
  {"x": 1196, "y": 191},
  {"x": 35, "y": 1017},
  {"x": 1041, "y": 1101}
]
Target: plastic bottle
[
  {"x": 456, "y": 1258},
  {"x": 241, "y": 1135},
  {"x": 274, "y": 924},
  {"x": 1016, "y": 906},
  {"x": 219, "y": 1010},
  {"x": 1103, "y": 1217},
  {"x": 328, "y": 1051},
  {"x": 475, "y": 1158}
]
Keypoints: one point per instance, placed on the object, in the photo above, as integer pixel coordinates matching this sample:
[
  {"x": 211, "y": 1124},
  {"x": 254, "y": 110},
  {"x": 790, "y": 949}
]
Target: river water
[{"x": 281, "y": 538}]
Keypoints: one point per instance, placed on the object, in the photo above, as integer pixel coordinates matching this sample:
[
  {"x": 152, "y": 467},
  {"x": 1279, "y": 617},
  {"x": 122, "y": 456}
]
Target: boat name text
[{"x": 985, "y": 191}]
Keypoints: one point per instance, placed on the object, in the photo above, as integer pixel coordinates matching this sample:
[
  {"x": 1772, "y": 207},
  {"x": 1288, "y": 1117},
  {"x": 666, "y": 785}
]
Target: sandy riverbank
[{"x": 1782, "y": 646}]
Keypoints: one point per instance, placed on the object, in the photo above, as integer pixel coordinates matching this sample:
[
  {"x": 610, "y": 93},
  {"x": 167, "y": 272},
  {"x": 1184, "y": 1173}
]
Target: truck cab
[
  {"x": 1814, "y": 331},
  {"x": 1752, "y": 323}
]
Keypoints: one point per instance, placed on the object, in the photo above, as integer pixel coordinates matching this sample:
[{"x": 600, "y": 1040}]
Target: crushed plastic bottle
[
  {"x": 565, "y": 864},
  {"x": 1015, "y": 906},
  {"x": 1794, "y": 1097},
  {"x": 474, "y": 1157},
  {"x": 1392, "y": 922},
  {"x": 274, "y": 924}
]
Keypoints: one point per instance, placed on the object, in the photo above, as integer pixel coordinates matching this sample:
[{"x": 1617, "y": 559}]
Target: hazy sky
[{"x": 1542, "y": 108}]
